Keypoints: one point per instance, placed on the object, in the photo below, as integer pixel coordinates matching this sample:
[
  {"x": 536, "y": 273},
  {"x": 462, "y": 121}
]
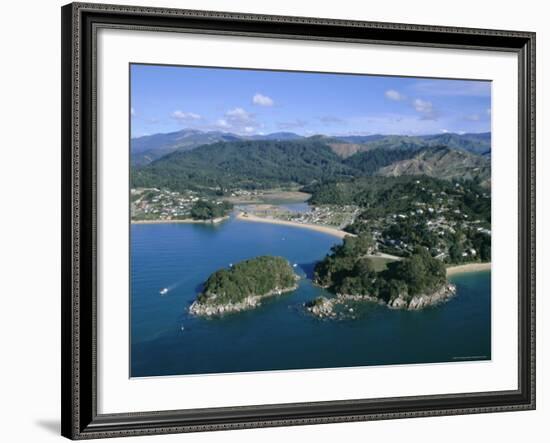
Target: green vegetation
[
  {"x": 381, "y": 196},
  {"x": 146, "y": 149},
  {"x": 380, "y": 263},
  {"x": 442, "y": 162},
  {"x": 164, "y": 205},
  {"x": 347, "y": 270},
  {"x": 346, "y": 258},
  {"x": 451, "y": 219},
  {"x": 402, "y": 192},
  {"x": 243, "y": 165},
  {"x": 369, "y": 162},
  {"x": 263, "y": 164},
  {"x": 207, "y": 210},
  {"x": 418, "y": 274},
  {"x": 256, "y": 277},
  {"x": 149, "y": 148}
]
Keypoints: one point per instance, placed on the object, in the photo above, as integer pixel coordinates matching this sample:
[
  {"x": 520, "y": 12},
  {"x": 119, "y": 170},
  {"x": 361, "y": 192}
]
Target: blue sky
[{"x": 167, "y": 99}]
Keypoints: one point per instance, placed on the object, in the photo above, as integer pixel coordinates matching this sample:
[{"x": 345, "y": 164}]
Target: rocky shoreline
[
  {"x": 250, "y": 302},
  {"x": 325, "y": 307}
]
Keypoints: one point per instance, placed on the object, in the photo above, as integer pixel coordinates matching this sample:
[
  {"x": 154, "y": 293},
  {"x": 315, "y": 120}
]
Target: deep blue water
[{"x": 165, "y": 340}]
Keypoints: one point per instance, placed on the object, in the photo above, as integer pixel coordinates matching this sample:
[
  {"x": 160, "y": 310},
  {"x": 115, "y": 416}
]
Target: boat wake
[{"x": 165, "y": 291}]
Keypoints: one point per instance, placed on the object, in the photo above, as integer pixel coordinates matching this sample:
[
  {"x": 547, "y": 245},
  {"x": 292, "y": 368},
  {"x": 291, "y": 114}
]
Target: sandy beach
[
  {"x": 187, "y": 220},
  {"x": 469, "y": 267},
  {"x": 270, "y": 197},
  {"x": 325, "y": 229}
]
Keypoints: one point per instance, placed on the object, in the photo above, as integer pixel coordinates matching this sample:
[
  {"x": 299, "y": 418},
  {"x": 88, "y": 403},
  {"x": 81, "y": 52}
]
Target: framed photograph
[{"x": 273, "y": 221}]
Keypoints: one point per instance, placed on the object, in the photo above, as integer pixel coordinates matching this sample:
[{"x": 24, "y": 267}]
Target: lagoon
[{"x": 279, "y": 335}]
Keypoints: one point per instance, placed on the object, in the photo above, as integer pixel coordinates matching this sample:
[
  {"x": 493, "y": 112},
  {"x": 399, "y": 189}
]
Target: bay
[{"x": 279, "y": 335}]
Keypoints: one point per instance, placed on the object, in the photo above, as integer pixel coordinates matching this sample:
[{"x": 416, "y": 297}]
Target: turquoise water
[{"x": 165, "y": 340}]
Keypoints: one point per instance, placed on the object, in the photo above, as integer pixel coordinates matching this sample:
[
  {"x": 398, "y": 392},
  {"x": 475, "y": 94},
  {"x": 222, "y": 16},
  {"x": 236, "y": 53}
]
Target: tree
[
  {"x": 255, "y": 277},
  {"x": 455, "y": 253},
  {"x": 206, "y": 210}
]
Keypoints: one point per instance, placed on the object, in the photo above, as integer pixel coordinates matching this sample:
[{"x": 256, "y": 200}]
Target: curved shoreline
[
  {"x": 468, "y": 267},
  {"x": 324, "y": 229},
  {"x": 212, "y": 221}
]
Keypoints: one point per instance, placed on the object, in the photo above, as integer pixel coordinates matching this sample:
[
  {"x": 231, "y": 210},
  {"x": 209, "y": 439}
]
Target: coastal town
[
  {"x": 435, "y": 220},
  {"x": 334, "y": 216},
  {"x": 438, "y": 220},
  {"x": 162, "y": 205}
]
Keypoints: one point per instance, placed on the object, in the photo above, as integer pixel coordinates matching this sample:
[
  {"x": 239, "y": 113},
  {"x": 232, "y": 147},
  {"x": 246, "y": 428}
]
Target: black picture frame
[{"x": 80, "y": 22}]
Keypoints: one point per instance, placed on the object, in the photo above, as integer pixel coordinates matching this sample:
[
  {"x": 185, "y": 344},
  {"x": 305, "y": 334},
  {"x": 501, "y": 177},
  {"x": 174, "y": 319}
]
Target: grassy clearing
[{"x": 380, "y": 263}]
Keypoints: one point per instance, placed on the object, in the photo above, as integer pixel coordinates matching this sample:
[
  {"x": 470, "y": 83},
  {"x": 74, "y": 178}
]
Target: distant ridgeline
[
  {"x": 244, "y": 285},
  {"x": 220, "y": 161}
]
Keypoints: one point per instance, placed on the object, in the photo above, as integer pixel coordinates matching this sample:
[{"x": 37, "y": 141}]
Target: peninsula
[
  {"x": 415, "y": 282},
  {"x": 244, "y": 285}
]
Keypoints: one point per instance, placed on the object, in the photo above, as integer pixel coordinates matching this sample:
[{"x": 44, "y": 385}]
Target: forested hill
[
  {"x": 256, "y": 164},
  {"x": 146, "y": 149},
  {"x": 245, "y": 164}
]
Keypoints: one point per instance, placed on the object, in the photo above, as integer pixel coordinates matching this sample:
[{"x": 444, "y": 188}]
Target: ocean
[{"x": 280, "y": 335}]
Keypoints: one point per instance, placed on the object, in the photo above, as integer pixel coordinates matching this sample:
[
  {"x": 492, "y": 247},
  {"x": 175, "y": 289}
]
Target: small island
[
  {"x": 415, "y": 282},
  {"x": 244, "y": 285}
]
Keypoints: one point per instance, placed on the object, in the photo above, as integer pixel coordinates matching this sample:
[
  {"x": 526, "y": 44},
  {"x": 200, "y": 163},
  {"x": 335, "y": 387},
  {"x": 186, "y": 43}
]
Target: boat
[
  {"x": 294, "y": 265},
  {"x": 163, "y": 291}
]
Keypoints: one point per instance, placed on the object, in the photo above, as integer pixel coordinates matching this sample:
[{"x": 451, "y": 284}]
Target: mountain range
[
  {"x": 146, "y": 149},
  {"x": 225, "y": 161}
]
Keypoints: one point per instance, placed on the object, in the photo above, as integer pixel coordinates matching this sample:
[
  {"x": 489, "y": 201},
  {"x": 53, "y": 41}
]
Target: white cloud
[
  {"x": 488, "y": 111},
  {"x": 394, "y": 95},
  {"x": 422, "y": 105},
  {"x": 222, "y": 123},
  {"x": 262, "y": 100},
  {"x": 185, "y": 116},
  {"x": 238, "y": 120},
  {"x": 425, "y": 108},
  {"x": 445, "y": 131},
  {"x": 132, "y": 112},
  {"x": 238, "y": 115}
]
